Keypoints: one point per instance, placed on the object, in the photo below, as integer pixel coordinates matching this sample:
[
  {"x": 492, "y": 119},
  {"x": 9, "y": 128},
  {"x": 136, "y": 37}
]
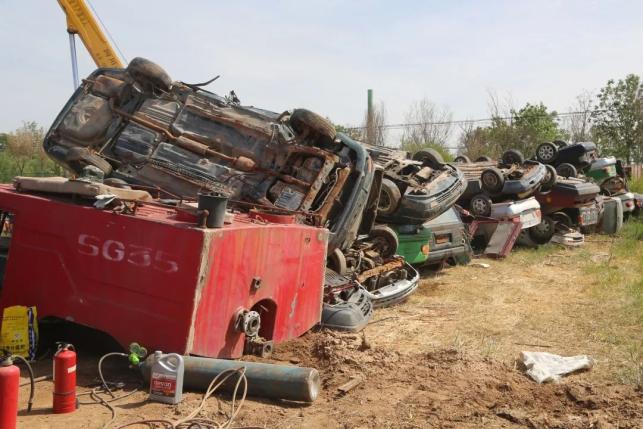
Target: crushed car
[
  {"x": 443, "y": 240},
  {"x": 573, "y": 202},
  {"x": 568, "y": 159},
  {"x": 511, "y": 178},
  {"x": 177, "y": 140},
  {"x": 415, "y": 190}
]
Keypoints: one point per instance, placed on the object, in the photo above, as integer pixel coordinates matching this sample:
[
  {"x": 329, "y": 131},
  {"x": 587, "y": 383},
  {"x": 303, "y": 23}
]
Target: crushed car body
[
  {"x": 144, "y": 131},
  {"x": 415, "y": 190}
]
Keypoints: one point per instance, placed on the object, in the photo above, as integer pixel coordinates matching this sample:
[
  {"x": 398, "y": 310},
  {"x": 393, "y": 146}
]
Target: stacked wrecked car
[{"x": 136, "y": 128}]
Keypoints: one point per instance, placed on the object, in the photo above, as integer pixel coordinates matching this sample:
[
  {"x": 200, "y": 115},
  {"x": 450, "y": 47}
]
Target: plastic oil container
[{"x": 166, "y": 381}]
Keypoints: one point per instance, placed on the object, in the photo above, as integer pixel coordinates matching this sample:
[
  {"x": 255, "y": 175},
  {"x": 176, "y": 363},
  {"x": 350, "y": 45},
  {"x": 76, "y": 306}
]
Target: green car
[
  {"x": 601, "y": 169},
  {"x": 443, "y": 239}
]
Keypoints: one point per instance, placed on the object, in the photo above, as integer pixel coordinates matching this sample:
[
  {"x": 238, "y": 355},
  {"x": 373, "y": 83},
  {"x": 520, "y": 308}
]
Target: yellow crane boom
[{"x": 81, "y": 21}]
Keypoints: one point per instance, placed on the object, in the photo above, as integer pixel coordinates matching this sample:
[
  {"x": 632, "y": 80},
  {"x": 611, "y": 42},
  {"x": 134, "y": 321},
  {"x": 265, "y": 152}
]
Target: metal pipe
[
  {"x": 74, "y": 60},
  {"x": 264, "y": 380}
]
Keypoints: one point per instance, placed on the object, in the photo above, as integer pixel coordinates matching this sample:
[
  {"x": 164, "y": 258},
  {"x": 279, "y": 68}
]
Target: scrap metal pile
[{"x": 205, "y": 162}]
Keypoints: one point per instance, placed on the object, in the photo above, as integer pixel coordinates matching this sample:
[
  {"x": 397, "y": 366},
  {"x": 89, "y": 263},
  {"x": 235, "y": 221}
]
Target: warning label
[{"x": 163, "y": 385}]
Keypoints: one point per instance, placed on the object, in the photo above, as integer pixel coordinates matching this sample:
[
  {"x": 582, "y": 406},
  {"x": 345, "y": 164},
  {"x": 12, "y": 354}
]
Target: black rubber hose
[{"x": 31, "y": 378}]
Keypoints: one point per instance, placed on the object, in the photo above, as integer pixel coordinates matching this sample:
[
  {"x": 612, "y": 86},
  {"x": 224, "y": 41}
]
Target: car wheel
[
  {"x": 384, "y": 240},
  {"x": 544, "y": 231},
  {"x": 337, "y": 262},
  {"x": 560, "y": 144},
  {"x": 551, "y": 177},
  {"x": 148, "y": 74},
  {"x": 492, "y": 180},
  {"x": 513, "y": 156},
  {"x": 480, "y": 205},
  {"x": 80, "y": 157},
  {"x": 562, "y": 218},
  {"x": 484, "y": 158},
  {"x": 547, "y": 152},
  {"x": 463, "y": 159},
  {"x": 430, "y": 157},
  {"x": 566, "y": 170},
  {"x": 302, "y": 119},
  {"x": 389, "y": 198}
]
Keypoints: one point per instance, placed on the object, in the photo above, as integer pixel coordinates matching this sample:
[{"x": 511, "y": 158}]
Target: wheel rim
[
  {"x": 546, "y": 152},
  {"x": 490, "y": 180},
  {"x": 543, "y": 228},
  {"x": 566, "y": 171},
  {"x": 479, "y": 205}
]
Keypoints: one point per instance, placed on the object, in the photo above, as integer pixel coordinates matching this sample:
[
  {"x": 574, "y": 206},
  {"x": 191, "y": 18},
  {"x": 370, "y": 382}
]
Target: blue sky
[{"x": 323, "y": 55}]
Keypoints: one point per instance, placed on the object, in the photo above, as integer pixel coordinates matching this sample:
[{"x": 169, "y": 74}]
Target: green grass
[
  {"x": 636, "y": 185},
  {"x": 617, "y": 282}
]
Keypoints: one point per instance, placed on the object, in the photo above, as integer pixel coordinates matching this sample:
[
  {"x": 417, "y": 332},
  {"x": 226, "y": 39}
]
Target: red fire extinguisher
[
  {"x": 65, "y": 379},
  {"x": 9, "y": 389}
]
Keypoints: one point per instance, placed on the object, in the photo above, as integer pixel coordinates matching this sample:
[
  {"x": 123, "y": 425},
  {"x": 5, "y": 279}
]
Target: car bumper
[
  {"x": 417, "y": 209},
  {"x": 395, "y": 292}
]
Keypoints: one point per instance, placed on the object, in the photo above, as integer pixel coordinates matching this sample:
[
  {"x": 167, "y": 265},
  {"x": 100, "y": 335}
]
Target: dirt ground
[{"x": 446, "y": 357}]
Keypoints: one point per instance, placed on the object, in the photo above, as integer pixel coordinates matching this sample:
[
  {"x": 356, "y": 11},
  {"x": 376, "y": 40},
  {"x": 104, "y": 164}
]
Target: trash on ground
[{"x": 544, "y": 367}]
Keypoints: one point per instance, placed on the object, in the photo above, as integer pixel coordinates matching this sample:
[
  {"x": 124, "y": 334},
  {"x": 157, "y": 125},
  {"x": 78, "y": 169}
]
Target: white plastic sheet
[{"x": 544, "y": 367}]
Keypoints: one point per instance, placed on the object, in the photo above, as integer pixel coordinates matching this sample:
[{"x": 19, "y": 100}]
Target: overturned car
[
  {"x": 512, "y": 177},
  {"x": 140, "y": 129},
  {"x": 415, "y": 190}
]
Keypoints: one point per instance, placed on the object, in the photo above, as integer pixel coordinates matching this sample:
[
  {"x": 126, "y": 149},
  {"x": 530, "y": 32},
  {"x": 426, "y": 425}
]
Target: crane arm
[{"x": 81, "y": 21}]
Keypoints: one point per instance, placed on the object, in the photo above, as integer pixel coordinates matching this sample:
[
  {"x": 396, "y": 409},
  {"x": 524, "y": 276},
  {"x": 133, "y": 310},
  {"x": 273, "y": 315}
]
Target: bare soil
[{"x": 446, "y": 357}]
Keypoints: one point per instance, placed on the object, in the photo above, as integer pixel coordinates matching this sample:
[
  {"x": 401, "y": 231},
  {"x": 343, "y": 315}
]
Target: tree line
[
  {"x": 612, "y": 118},
  {"x": 22, "y": 154}
]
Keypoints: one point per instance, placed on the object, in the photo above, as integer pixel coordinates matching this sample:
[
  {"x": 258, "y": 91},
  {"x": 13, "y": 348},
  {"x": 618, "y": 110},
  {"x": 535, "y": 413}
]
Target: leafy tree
[
  {"x": 524, "y": 130},
  {"x": 618, "y": 119},
  {"x": 24, "y": 154}
]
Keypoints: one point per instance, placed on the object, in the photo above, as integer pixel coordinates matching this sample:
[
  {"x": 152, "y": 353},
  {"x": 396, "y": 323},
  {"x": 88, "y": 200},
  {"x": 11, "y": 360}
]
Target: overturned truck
[{"x": 137, "y": 128}]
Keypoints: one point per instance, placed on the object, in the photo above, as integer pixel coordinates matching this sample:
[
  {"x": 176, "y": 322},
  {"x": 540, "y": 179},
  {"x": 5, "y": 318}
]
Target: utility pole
[{"x": 370, "y": 128}]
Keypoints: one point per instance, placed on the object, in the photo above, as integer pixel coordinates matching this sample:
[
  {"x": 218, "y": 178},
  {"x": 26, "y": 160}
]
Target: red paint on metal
[{"x": 158, "y": 280}]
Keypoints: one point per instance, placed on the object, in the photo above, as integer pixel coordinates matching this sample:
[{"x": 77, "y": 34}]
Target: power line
[{"x": 471, "y": 121}]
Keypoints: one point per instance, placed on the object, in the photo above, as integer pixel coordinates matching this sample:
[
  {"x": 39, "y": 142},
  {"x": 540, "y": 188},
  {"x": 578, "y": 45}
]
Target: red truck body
[{"x": 156, "y": 278}]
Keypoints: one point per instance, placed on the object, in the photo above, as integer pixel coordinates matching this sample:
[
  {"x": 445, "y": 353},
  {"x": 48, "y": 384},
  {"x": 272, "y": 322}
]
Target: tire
[
  {"x": 566, "y": 170},
  {"x": 148, "y": 74},
  {"x": 430, "y": 157},
  {"x": 390, "y": 196},
  {"x": 513, "y": 156},
  {"x": 560, "y": 144},
  {"x": 480, "y": 205},
  {"x": 562, "y": 218},
  {"x": 463, "y": 159},
  {"x": 544, "y": 231},
  {"x": 337, "y": 262},
  {"x": 547, "y": 152},
  {"x": 384, "y": 240},
  {"x": 79, "y": 157},
  {"x": 550, "y": 178},
  {"x": 492, "y": 180},
  {"x": 484, "y": 158},
  {"x": 303, "y": 119}
]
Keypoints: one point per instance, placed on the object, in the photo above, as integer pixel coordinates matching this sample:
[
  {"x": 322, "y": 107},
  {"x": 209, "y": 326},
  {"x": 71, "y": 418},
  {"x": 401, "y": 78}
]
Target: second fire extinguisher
[{"x": 65, "y": 379}]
